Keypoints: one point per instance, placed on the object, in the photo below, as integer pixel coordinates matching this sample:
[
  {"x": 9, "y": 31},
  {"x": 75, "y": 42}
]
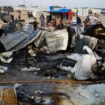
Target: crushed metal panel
[
  {"x": 28, "y": 28},
  {"x": 40, "y": 38},
  {"x": 57, "y": 40},
  {"x": 13, "y": 39},
  {"x": 18, "y": 40},
  {"x": 31, "y": 37}
]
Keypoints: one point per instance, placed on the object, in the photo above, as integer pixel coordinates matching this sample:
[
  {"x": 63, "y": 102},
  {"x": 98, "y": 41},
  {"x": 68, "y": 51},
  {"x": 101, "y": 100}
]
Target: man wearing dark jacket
[{"x": 78, "y": 27}]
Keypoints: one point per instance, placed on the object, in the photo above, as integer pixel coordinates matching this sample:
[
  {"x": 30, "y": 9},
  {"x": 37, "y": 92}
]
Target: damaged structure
[
  {"x": 43, "y": 54},
  {"x": 82, "y": 55}
]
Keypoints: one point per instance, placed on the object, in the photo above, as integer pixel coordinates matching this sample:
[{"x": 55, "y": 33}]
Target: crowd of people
[
  {"x": 90, "y": 20},
  {"x": 48, "y": 22}
]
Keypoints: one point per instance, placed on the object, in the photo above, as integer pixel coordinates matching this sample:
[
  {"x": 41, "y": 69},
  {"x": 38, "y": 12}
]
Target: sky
[{"x": 46, "y": 3}]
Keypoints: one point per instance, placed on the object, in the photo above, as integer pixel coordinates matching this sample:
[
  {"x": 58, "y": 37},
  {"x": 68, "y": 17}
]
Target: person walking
[
  {"x": 19, "y": 16},
  {"x": 35, "y": 23},
  {"x": 42, "y": 20},
  {"x": 78, "y": 26},
  {"x": 60, "y": 26}
]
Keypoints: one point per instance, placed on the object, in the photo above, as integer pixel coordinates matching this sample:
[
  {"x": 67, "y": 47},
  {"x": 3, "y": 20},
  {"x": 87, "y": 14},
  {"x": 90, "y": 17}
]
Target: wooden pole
[{"x": 54, "y": 81}]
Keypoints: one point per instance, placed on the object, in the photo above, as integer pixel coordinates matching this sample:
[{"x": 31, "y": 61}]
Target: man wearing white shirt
[{"x": 93, "y": 19}]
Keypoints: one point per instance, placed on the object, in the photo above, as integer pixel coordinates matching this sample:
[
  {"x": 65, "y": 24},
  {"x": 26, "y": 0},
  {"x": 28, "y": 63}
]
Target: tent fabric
[{"x": 61, "y": 10}]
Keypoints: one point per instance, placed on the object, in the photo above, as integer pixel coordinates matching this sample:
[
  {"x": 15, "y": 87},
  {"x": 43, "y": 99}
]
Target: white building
[{"x": 83, "y": 11}]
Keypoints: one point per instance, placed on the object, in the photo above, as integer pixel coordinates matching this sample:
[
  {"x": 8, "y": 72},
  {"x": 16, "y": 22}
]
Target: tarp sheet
[{"x": 60, "y": 10}]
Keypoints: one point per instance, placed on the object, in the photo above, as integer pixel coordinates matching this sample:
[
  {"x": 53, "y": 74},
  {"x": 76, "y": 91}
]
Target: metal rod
[{"x": 54, "y": 81}]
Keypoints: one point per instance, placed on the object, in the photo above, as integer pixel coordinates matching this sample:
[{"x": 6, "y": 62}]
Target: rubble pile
[
  {"x": 98, "y": 31},
  {"x": 52, "y": 55},
  {"x": 56, "y": 54},
  {"x": 59, "y": 64},
  {"x": 40, "y": 94}
]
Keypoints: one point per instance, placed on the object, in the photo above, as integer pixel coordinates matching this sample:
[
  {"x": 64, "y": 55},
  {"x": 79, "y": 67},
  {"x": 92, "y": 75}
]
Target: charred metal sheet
[
  {"x": 39, "y": 41},
  {"x": 28, "y": 40},
  {"x": 57, "y": 40},
  {"x": 20, "y": 39}
]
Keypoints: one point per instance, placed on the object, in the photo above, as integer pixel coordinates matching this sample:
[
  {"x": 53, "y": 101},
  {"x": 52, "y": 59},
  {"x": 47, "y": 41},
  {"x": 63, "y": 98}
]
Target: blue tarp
[{"x": 61, "y": 10}]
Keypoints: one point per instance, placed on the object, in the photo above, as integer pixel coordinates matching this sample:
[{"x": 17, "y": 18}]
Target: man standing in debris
[
  {"x": 60, "y": 26},
  {"x": 42, "y": 20},
  {"x": 54, "y": 23},
  {"x": 19, "y": 16},
  {"x": 71, "y": 33},
  {"x": 92, "y": 18},
  {"x": 35, "y": 24},
  {"x": 78, "y": 27}
]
